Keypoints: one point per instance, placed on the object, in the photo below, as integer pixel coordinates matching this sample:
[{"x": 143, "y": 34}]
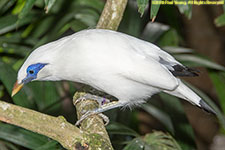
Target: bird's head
[
  {"x": 38, "y": 66},
  {"x": 27, "y": 74}
]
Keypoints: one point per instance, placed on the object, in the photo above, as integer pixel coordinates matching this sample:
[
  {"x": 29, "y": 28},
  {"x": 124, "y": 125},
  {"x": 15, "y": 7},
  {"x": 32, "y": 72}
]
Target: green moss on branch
[{"x": 93, "y": 125}]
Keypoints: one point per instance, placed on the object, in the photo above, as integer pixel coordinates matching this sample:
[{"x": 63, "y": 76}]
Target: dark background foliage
[{"x": 194, "y": 35}]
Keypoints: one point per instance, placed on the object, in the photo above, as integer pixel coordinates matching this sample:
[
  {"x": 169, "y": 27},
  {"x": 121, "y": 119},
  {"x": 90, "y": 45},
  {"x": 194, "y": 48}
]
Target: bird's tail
[{"x": 184, "y": 92}]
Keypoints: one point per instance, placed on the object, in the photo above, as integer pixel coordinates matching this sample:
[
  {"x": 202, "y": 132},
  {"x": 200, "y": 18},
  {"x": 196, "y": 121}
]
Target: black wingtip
[
  {"x": 182, "y": 71},
  {"x": 206, "y": 107}
]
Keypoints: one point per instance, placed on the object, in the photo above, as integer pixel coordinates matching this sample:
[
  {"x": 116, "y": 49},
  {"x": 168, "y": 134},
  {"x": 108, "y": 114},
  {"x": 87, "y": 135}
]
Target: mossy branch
[
  {"x": 56, "y": 128},
  {"x": 92, "y": 134},
  {"x": 93, "y": 125}
]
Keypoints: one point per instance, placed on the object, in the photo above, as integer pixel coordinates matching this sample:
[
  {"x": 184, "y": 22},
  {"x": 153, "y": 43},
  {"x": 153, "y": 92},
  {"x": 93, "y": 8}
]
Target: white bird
[{"x": 123, "y": 66}]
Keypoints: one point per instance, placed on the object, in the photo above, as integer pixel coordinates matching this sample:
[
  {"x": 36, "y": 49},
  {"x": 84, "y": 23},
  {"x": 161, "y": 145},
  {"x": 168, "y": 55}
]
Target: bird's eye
[{"x": 31, "y": 71}]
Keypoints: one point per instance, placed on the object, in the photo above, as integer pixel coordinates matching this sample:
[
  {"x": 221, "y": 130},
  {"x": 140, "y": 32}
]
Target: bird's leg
[
  {"x": 104, "y": 105},
  {"x": 100, "y": 100}
]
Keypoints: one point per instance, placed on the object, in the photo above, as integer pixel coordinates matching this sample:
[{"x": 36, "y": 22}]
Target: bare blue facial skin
[{"x": 32, "y": 72}]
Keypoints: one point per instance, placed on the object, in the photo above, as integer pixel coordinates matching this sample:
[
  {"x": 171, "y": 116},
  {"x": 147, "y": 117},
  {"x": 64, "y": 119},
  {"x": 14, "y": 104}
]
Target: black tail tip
[{"x": 206, "y": 107}]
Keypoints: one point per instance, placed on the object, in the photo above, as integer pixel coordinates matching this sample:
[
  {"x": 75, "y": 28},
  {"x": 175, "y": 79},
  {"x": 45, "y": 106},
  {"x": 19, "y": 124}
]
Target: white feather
[{"x": 116, "y": 63}]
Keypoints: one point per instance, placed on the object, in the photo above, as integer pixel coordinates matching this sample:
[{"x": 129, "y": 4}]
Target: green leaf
[
  {"x": 43, "y": 26},
  {"x": 161, "y": 141},
  {"x": 210, "y": 102},
  {"x": 153, "y": 31},
  {"x": 26, "y": 9},
  {"x": 9, "y": 22},
  {"x": 51, "y": 145},
  {"x": 48, "y": 5},
  {"x": 8, "y": 77},
  {"x": 1, "y": 91},
  {"x": 185, "y": 9},
  {"x": 136, "y": 144},
  {"x": 224, "y": 7},
  {"x": 44, "y": 99},
  {"x": 142, "y": 4},
  {"x": 177, "y": 50},
  {"x": 6, "y": 6},
  {"x": 27, "y": 31},
  {"x": 3, "y": 3},
  {"x": 15, "y": 38},
  {"x": 19, "y": 6},
  {"x": 77, "y": 25},
  {"x": 220, "y": 21},
  {"x": 87, "y": 16},
  {"x": 154, "y": 9},
  {"x": 153, "y": 141},
  {"x": 183, "y": 131},
  {"x": 169, "y": 38},
  {"x": 199, "y": 61},
  {"x": 53, "y": 31},
  {"x": 11, "y": 48},
  {"x": 120, "y": 129},
  {"x": 131, "y": 23},
  {"x": 96, "y": 4},
  {"x": 218, "y": 79},
  {"x": 21, "y": 136},
  {"x": 159, "y": 115},
  {"x": 7, "y": 146}
]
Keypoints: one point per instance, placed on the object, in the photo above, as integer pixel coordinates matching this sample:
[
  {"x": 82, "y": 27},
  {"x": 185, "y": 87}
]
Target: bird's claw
[
  {"x": 101, "y": 101},
  {"x": 80, "y": 99},
  {"x": 89, "y": 113}
]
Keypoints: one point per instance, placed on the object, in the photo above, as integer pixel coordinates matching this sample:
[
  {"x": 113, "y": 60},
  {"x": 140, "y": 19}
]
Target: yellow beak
[{"x": 16, "y": 88}]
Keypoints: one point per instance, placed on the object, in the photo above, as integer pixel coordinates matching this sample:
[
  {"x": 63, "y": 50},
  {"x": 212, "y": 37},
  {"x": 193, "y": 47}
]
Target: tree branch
[
  {"x": 56, "y": 128},
  {"x": 112, "y": 14},
  {"x": 91, "y": 135},
  {"x": 94, "y": 124}
]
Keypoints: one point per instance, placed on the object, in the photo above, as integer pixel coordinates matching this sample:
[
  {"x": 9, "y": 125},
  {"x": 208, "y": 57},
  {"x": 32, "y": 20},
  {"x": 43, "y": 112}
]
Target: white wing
[
  {"x": 151, "y": 51},
  {"x": 150, "y": 72}
]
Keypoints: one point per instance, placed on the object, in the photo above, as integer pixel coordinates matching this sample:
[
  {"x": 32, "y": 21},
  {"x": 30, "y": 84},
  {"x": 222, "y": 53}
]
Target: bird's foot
[
  {"x": 99, "y": 111},
  {"x": 89, "y": 113},
  {"x": 101, "y": 101}
]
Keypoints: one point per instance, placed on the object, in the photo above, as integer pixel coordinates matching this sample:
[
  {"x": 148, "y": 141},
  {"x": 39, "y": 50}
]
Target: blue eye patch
[{"x": 32, "y": 72}]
